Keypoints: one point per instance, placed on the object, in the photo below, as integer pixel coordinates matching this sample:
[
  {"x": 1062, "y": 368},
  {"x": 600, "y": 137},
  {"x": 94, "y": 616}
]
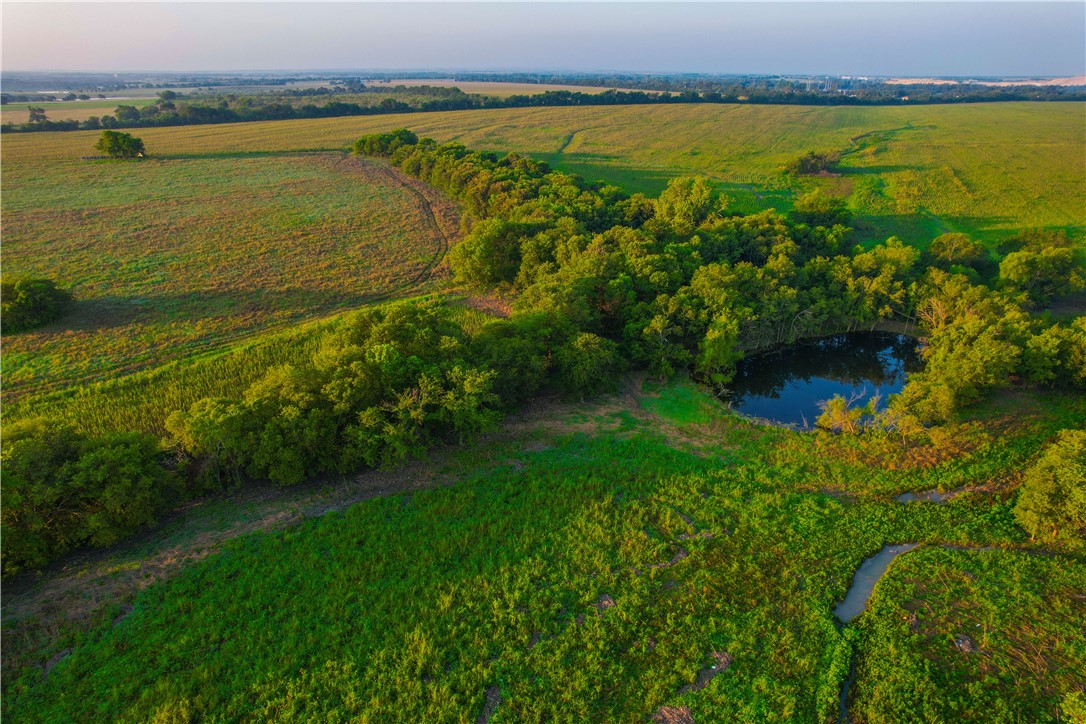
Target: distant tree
[
  {"x": 167, "y": 95},
  {"x": 120, "y": 145},
  {"x": 37, "y": 115},
  {"x": 383, "y": 144},
  {"x": 127, "y": 115},
  {"x": 1044, "y": 274},
  {"x": 1053, "y": 495},
  {"x": 812, "y": 163},
  {"x": 1035, "y": 240},
  {"x": 30, "y": 303}
]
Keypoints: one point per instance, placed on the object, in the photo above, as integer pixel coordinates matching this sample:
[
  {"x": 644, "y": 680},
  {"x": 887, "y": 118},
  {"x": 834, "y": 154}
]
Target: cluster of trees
[
  {"x": 806, "y": 90},
  {"x": 30, "y": 303},
  {"x": 173, "y": 111},
  {"x": 602, "y": 280},
  {"x": 9, "y": 98},
  {"x": 390, "y": 382},
  {"x": 62, "y": 490}
]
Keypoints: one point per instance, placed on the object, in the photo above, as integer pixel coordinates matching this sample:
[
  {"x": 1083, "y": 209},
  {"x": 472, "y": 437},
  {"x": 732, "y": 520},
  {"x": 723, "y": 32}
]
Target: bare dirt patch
[
  {"x": 673, "y": 715},
  {"x": 721, "y": 662},
  {"x": 493, "y": 699}
]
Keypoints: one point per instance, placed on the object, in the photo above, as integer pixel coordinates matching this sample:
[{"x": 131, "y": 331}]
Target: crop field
[
  {"x": 527, "y": 579},
  {"x": 172, "y": 257},
  {"x": 69, "y": 110},
  {"x": 985, "y": 169}
]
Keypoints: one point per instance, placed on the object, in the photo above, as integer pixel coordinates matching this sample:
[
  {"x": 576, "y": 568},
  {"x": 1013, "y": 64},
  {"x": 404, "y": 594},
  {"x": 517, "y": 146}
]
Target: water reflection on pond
[{"x": 787, "y": 385}]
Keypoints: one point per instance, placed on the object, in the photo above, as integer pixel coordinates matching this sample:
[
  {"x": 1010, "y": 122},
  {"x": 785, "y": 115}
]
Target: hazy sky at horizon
[{"x": 856, "y": 38}]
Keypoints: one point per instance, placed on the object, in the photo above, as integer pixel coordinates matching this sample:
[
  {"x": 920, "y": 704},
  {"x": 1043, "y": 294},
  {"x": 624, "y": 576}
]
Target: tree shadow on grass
[
  {"x": 248, "y": 307},
  {"x": 245, "y": 154}
]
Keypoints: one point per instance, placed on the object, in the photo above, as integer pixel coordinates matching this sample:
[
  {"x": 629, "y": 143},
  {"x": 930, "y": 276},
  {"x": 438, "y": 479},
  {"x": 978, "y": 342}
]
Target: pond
[{"x": 786, "y": 386}]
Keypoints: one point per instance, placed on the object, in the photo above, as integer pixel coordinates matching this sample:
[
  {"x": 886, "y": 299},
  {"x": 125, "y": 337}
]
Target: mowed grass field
[
  {"x": 986, "y": 169},
  {"x": 533, "y": 578},
  {"x": 170, "y": 257}
]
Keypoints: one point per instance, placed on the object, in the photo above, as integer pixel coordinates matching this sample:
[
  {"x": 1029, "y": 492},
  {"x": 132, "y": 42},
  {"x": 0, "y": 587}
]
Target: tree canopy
[
  {"x": 31, "y": 303},
  {"x": 116, "y": 144}
]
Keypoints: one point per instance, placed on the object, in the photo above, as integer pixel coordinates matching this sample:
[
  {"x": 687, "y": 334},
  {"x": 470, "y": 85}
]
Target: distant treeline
[
  {"x": 834, "y": 90},
  {"x": 424, "y": 99}
]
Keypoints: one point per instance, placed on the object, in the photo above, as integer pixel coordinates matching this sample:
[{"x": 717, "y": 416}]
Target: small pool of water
[{"x": 787, "y": 385}]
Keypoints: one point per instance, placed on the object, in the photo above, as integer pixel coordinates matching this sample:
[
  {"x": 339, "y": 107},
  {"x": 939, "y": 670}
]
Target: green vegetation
[
  {"x": 958, "y": 635},
  {"x": 606, "y": 281},
  {"x": 31, "y": 303},
  {"x": 721, "y": 537},
  {"x": 119, "y": 145},
  {"x": 582, "y": 576},
  {"x": 1053, "y": 497}
]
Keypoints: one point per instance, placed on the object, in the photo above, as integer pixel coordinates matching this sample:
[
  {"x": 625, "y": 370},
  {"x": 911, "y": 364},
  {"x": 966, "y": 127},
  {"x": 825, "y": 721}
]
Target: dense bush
[
  {"x": 1052, "y": 501},
  {"x": 31, "y": 303},
  {"x": 391, "y": 382},
  {"x": 812, "y": 163},
  {"x": 62, "y": 490}
]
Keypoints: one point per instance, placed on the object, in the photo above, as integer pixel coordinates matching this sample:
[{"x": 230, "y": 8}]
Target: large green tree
[
  {"x": 120, "y": 145},
  {"x": 1053, "y": 496}
]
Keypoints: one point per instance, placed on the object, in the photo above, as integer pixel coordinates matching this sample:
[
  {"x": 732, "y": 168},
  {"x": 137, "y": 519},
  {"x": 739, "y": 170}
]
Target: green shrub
[
  {"x": 588, "y": 364},
  {"x": 1053, "y": 496},
  {"x": 31, "y": 303},
  {"x": 62, "y": 490}
]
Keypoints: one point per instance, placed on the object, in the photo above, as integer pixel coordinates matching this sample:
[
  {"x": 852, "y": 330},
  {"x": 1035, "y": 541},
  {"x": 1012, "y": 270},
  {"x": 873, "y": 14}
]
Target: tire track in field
[
  {"x": 214, "y": 342},
  {"x": 430, "y": 221}
]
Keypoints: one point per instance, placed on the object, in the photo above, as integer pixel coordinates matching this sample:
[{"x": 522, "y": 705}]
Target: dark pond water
[{"x": 787, "y": 385}]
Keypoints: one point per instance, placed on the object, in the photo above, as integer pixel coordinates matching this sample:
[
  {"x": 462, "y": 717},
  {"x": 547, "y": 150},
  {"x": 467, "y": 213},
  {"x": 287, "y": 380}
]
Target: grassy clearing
[
  {"x": 985, "y": 169},
  {"x": 172, "y": 257},
  {"x": 579, "y": 588}
]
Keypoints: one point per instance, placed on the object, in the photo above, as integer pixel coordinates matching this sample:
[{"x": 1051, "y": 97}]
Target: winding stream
[{"x": 863, "y": 583}]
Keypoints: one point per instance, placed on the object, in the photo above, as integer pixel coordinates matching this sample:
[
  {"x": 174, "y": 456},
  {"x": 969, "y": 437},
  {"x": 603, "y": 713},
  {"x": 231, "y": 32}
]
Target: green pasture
[{"x": 987, "y": 169}]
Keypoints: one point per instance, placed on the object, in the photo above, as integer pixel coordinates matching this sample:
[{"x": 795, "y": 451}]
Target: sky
[{"x": 840, "y": 38}]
